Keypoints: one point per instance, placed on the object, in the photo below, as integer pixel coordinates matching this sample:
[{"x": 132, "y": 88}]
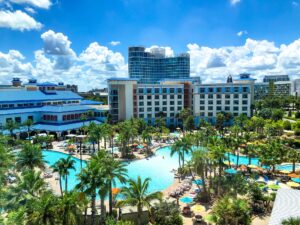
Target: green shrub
[
  {"x": 297, "y": 115},
  {"x": 297, "y": 131},
  {"x": 287, "y": 125}
]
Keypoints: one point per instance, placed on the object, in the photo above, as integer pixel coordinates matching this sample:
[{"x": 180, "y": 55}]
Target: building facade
[
  {"x": 150, "y": 67},
  {"x": 275, "y": 78},
  {"x": 279, "y": 88},
  {"x": 49, "y": 109}
]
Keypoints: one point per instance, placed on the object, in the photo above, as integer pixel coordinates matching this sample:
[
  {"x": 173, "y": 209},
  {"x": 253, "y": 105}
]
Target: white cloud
[
  {"x": 18, "y": 20},
  {"x": 44, "y": 4},
  {"x": 295, "y": 4},
  {"x": 115, "y": 43},
  {"x": 241, "y": 33},
  {"x": 30, "y": 10},
  {"x": 234, "y": 2},
  {"x": 168, "y": 50}
]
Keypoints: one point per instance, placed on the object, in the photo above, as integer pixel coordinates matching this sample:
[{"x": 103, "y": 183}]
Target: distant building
[
  {"x": 296, "y": 88},
  {"x": 275, "y": 78},
  {"x": 150, "y": 67},
  {"x": 16, "y": 83},
  {"x": 279, "y": 88}
]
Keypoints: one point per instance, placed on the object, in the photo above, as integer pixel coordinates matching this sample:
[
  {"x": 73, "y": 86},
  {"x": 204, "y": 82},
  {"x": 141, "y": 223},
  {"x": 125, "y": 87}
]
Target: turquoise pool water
[
  {"x": 255, "y": 161},
  {"x": 158, "y": 168},
  {"x": 186, "y": 200}
]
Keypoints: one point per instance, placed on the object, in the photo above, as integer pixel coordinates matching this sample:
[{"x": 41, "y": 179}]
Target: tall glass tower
[{"x": 150, "y": 67}]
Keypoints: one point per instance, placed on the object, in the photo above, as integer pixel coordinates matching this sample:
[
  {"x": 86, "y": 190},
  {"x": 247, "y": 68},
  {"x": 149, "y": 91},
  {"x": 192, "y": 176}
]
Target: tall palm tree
[
  {"x": 11, "y": 126},
  {"x": 293, "y": 155},
  {"x": 6, "y": 162},
  {"x": 71, "y": 205},
  {"x": 113, "y": 170},
  {"x": 137, "y": 195},
  {"x": 182, "y": 147},
  {"x": 62, "y": 167},
  {"x": 28, "y": 123},
  {"x": 30, "y": 157}
]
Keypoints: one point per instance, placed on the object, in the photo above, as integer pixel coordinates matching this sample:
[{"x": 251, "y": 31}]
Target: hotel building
[
  {"x": 52, "y": 110},
  {"x": 150, "y": 67}
]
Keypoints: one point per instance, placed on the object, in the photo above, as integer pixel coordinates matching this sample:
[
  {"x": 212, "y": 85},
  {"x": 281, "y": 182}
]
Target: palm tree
[
  {"x": 137, "y": 195},
  {"x": 294, "y": 156},
  {"x": 28, "y": 123},
  {"x": 6, "y": 162},
  {"x": 113, "y": 170},
  {"x": 29, "y": 157},
  {"x": 71, "y": 205},
  {"x": 62, "y": 167},
  {"x": 11, "y": 126},
  {"x": 183, "y": 146},
  {"x": 291, "y": 221}
]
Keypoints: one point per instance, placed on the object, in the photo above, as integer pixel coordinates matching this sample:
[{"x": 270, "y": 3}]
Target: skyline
[{"x": 46, "y": 40}]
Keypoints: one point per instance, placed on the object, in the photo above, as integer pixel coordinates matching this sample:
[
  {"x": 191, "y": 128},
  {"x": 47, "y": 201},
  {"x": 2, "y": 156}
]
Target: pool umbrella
[
  {"x": 252, "y": 166},
  {"x": 297, "y": 180},
  {"x": 284, "y": 171},
  {"x": 274, "y": 187},
  {"x": 231, "y": 171},
  {"x": 198, "y": 208},
  {"x": 293, "y": 175},
  {"x": 293, "y": 184},
  {"x": 115, "y": 191}
]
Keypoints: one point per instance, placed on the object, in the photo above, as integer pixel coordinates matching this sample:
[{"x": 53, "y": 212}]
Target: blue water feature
[
  {"x": 255, "y": 161},
  {"x": 157, "y": 167},
  {"x": 186, "y": 200},
  {"x": 198, "y": 182}
]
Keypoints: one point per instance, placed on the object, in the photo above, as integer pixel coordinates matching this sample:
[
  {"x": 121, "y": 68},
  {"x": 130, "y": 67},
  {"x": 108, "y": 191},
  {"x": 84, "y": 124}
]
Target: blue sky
[{"x": 259, "y": 33}]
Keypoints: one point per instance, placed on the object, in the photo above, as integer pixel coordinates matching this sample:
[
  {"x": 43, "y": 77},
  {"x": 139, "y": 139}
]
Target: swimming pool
[
  {"x": 158, "y": 168},
  {"x": 255, "y": 161}
]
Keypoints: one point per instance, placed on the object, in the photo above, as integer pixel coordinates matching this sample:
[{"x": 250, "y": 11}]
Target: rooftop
[
  {"x": 27, "y": 96},
  {"x": 286, "y": 205}
]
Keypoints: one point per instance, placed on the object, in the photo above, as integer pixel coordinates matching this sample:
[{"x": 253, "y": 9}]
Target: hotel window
[
  {"x": 18, "y": 120},
  {"x": 164, "y": 109},
  {"x": 149, "y": 109},
  {"x": 219, "y": 96},
  {"x": 245, "y": 96},
  {"x": 245, "y": 108},
  {"x": 172, "y": 108},
  {"x": 141, "y": 115},
  {"x": 156, "y": 109},
  {"x": 179, "y": 90},
  {"x": 236, "y": 102},
  {"x": 227, "y": 89},
  {"x": 210, "y": 107},
  {"x": 210, "y": 90},
  {"x": 164, "y": 103},
  {"x": 236, "y": 89},
  {"x": 179, "y": 103},
  {"x": 202, "y": 114},
  {"x": 219, "y": 108},
  {"x": 235, "y": 114},
  {"x": 172, "y": 114},
  {"x": 141, "y": 109},
  {"x": 210, "y": 102},
  {"x": 202, "y": 108},
  {"x": 171, "y": 102},
  {"x": 202, "y": 96},
  {"x": 179, "y": 108},
  {"x": 210, "y": 114},
  {"x": 156, "y": 103},
  {"x": 210, "y": 96},
  {"x": 141, "y": 90},
  {"x": 202, "y": 102},
  {"x": 227, "y": 108},
  {"x": 164, "y": 97},
  {"x": 245, "y": 102},
  {"x": 141, "y": 103},
  {"x": 164, "y": 90},
  {"x": 171, "y": 96},
  {"x": 149, "y": 90},
  {"x": 219, "y": 102},
  {"x": 227, "y": 102},
  {"x": 245, "y": 89},
  {"x": 149, "y": 116},
  {"x": 149, "y": 103},
  {"x": 179, "y": 96},
  {"x": 171, "y": 90},
  {"x": 236, "y": 96},
  {"x": 149, "y": 97},
  {"x": 235, "y": 108},
  {"x": 141, "y": 97},
  {"x": 202, "y": 90},
  {"x": 156, "y": 97},
  {"x": 219, "y": 89},
  {"x": 227, "y": 96},
  {"x": 156, "y": 90}
]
